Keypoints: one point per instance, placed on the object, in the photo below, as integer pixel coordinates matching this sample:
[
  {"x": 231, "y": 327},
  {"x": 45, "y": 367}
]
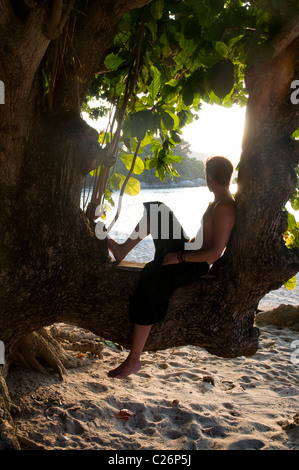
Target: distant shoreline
[{"x": 173, "y": 184}]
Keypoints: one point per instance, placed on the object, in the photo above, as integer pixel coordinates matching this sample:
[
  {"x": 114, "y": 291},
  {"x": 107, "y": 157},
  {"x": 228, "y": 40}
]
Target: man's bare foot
[{"x": 127, "y": 368}]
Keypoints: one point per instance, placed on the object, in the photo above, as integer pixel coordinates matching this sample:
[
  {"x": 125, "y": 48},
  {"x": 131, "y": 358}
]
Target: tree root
[
  {"x": 28, "y": 444},
  {"x": 77, "y": 339},
  {"x": 8, "y": 435},
  {"x": 48, "y": 349},
  {"x": 52, "y": 349}
]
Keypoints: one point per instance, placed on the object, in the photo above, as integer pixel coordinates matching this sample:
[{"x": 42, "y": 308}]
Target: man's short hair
[{"x": 220, "y": 169}]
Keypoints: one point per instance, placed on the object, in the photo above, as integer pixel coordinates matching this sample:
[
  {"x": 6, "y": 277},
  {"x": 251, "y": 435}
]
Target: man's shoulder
[
  {"x": 225, "y": 209},
  {"x": 226, "y": 204}
]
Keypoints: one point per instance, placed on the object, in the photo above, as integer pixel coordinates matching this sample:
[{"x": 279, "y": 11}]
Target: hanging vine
[{"x": 101, "y": 175}]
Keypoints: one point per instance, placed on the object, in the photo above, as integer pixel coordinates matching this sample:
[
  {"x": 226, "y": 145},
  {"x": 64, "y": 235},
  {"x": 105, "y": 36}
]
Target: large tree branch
[
  {"x": 96, "y": 297},
  {"x": 85, "y": 150},
  {"x": 93, "y": 32},
  {"x": 58, "y": 18},
  {"x": 131, "y": 4},
  {"x": 24, "y": 44},
  {"x": 288, "y": 33},
  {"x": 119, "y": 6},
  {"x": 293, "y": 151},
  {"x": 6, "y": 14},
  {"x": 269, "y": 106}
]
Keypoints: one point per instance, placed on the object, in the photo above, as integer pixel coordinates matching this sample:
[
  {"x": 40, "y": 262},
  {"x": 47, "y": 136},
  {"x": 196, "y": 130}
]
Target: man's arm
[{"x": 223, "y": 222}]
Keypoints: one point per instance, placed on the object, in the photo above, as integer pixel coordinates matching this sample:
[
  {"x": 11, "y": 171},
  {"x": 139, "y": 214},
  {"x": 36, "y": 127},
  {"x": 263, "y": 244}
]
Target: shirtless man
[{"x": 176, "y": 267}]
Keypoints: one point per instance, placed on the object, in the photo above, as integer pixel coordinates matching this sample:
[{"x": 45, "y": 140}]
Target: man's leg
[
  {"x": 159, "y": 221},
  {"x": 120, "y": 250},
  {"x": 144, "y": 294},
  {"x": 132, "y": 364}
]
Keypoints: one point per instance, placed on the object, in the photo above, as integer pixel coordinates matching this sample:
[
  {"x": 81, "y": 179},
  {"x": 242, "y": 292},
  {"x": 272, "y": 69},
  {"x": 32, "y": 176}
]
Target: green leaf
[
  {"x": 175, "y": 137},
  {"x": 292, "y": 224},
  {"x": 217, "y": 5},
  {"x": 221, "y": 78},
  {"x": 170, "y": 93},
  {"x": 173, "y": 83},
  {"x": 295, "y": 134},
  {"x": 155, "y": 83},
  {"x": 128, "y": 159},
  {"x": 168, "y": 120},
  {"x": 113, "y": 345},
  {"x": 112, "y": 61},
  {"x": 166, "y": 49},
  {"x": 175, "y": 173},
  {"x": 102, "y": 209},
  {"x": 291, "y": 283},
  {"x": 104, "y": 138},
  {"x": 221, "y": 49},
  {"x": 151, "y": 24},
  {"x": 192, "y": 29},
  {"x": 96, "y": 172},
  {"x": 46, "y": 80},
  {"x": 132, "y": 187},
  {"x": 150, "y": 163},
  {"x": 160, "y": 173},
  {"x": 295, "y": 203},
  {"x": 208, "y": 60},
  {"x": 177, "y": 158},
  {"x": 139, "y": 123},
  {"x": 172, "y": 158},
  {"x": 117, "y": 180},
  {"x": 183, "y": 117},
  {"x": 188, "y": 96},
  {"x": 157, "y": 7}
]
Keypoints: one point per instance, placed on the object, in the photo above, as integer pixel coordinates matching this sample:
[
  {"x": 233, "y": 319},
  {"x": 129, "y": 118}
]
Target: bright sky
[{"x": 218, "y": 131}]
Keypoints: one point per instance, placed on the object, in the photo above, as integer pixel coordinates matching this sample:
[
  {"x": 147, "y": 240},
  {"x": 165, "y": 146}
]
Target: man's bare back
[
  {"x": 214, "y": 210},
  {"x": 218, "y": 221}
]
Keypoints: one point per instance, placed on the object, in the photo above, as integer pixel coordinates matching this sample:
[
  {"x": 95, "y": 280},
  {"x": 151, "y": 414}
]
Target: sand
[{"x": 183, "y": 399}]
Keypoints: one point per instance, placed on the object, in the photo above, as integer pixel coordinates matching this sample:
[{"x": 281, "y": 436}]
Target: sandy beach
[{"x": 182, "y": 399}]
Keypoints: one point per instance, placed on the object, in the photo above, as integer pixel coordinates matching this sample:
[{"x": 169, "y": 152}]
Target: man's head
[{"x": 220, "y": 169}]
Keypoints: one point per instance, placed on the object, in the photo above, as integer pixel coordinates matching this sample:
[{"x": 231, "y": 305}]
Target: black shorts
[{"x": 150, "y": 301}]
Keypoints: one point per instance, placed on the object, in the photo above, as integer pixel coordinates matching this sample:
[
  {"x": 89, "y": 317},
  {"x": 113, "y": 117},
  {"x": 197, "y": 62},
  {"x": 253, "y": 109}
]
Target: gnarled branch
[
  {"x": 6, "y": 13},
  {"x": 94, "y": 31},
  {"x": 58, "y": 18},
  {"x": 31, "y": 3},
  {"x": 288, "y": 33}
]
